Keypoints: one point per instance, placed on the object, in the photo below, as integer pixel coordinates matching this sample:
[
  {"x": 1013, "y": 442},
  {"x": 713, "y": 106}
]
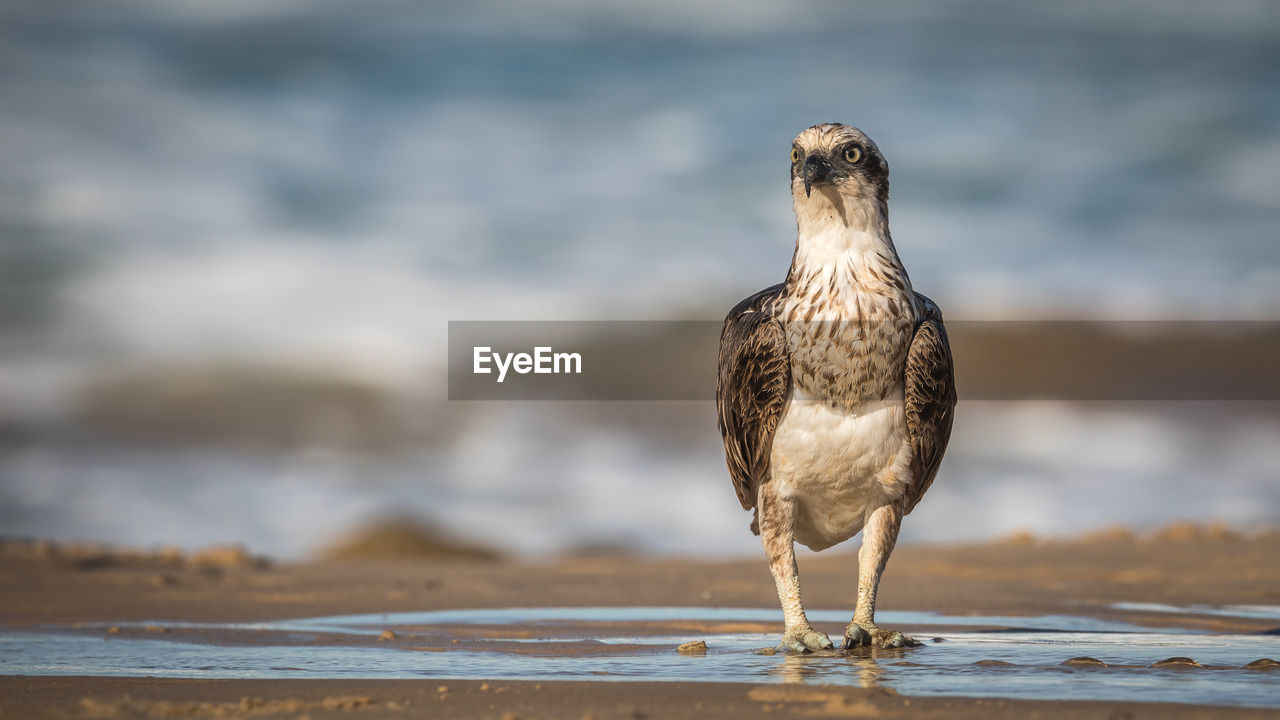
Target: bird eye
[
  {"x": 853, "y": 154},
  {"x": 795, "y": 154}
]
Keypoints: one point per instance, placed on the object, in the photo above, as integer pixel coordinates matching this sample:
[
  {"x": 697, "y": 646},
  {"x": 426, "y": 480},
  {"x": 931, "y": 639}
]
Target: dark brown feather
[
  {"x": 752, "y": 389},
  {"x": 930, "y": 399}
]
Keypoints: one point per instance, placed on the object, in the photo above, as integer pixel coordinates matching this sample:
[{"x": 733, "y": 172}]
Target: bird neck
[{"x": 844, "y": 234}]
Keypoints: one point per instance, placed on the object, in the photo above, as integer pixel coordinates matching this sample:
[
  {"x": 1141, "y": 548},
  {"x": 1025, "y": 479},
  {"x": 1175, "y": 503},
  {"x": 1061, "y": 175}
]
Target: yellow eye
[
  {"x": 853, "y": 154},
  {"x": 795, "y": 154}
]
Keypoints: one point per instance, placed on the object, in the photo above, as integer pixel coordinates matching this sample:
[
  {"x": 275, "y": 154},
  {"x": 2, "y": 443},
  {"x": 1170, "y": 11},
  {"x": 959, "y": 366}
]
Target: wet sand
[
  {"x": 130, "y": 697},
  {"x": 44, "y": 586}
]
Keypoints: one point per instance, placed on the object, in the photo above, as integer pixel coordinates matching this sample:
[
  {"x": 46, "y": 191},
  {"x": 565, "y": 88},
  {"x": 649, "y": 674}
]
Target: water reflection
[{"x": 861, "y": 667}]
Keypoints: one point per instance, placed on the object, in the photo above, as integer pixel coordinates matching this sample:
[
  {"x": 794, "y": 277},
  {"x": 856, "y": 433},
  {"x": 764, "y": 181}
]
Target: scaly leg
[
  {"x": 878, "y": 538},
  {"x": 777, "y": 525}
]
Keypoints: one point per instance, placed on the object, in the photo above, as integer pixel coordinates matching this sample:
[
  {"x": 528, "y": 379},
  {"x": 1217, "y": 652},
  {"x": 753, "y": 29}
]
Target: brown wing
[
  {"x": 751, "y": 391},
  {"x": 931, "y": 399}
]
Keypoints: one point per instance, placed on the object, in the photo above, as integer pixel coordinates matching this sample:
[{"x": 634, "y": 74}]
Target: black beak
[{"x": 816, "y": 171}]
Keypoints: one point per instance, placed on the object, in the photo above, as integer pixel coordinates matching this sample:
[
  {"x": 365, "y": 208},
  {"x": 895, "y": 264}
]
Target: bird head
[{"x": 838, "y": 159}]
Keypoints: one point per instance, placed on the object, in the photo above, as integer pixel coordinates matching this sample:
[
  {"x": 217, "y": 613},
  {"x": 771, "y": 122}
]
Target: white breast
[{"x": 836, "y": 466}]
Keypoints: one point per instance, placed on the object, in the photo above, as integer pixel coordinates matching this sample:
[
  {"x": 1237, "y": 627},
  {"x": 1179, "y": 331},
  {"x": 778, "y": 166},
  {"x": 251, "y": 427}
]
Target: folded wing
[
  {"x": 930, "y": 399},
  {"x": 751, "y": 390}
]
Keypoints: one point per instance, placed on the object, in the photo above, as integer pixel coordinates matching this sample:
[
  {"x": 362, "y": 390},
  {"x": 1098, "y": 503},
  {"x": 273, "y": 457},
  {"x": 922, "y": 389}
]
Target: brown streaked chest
[{"x": 849, "y": 323}]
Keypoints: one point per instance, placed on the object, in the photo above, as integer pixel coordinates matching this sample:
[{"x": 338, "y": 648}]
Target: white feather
[{"x": 836, "y": 466}]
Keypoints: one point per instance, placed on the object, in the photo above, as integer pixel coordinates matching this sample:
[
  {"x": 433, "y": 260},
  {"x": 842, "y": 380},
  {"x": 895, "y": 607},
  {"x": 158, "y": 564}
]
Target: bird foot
[
  {"x": 805, "y": 639},
  {"x": 857, "y": 635}
]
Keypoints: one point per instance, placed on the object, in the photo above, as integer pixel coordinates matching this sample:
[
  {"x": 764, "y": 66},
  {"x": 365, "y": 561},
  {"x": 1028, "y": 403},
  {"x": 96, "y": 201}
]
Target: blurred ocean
[{"x": 316, "y": 188}]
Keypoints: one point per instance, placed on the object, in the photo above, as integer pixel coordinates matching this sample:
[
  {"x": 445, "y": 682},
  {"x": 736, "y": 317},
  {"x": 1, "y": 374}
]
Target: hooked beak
[{"x": 816, "y": 172}]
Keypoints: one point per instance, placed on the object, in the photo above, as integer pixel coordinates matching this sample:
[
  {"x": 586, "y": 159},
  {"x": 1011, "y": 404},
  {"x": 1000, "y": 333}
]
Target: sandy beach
[{"x": 1170, "y": 579}]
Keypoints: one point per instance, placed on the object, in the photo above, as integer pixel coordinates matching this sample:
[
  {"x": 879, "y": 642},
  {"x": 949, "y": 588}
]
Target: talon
[
  {"x": 892, "y": 639},
  {"x": 807, "y": 640},
  {"x": 871, "y": 636},
  {"x": 818, "y": 640},
  {"x": 856, "y": 636}
]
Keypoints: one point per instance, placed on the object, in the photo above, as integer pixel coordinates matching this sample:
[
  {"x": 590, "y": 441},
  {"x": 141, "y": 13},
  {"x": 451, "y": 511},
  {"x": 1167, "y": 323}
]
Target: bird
[{"x": 836, "y": 388}]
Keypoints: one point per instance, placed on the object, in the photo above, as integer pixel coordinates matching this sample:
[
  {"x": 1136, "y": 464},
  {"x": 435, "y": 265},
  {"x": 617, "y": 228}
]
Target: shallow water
[
  {"x": 1018, "y": 657},
  {"x": 547, "y": 618},
  {"x": 1262, "y": 612}
]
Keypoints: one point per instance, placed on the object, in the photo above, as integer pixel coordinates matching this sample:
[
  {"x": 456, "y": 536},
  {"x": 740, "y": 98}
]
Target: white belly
[{"x": 836, "y": 466}]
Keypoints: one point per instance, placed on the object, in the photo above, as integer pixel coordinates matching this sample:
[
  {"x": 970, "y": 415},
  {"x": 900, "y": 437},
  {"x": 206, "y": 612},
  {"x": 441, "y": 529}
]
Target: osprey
[{"x": 835, "y": 392}]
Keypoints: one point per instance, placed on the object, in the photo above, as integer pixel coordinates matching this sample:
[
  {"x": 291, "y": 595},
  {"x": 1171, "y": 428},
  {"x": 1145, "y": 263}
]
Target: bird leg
[
  {"x": 777, "y": 525},
  {"x": 879, "y": 535}
]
